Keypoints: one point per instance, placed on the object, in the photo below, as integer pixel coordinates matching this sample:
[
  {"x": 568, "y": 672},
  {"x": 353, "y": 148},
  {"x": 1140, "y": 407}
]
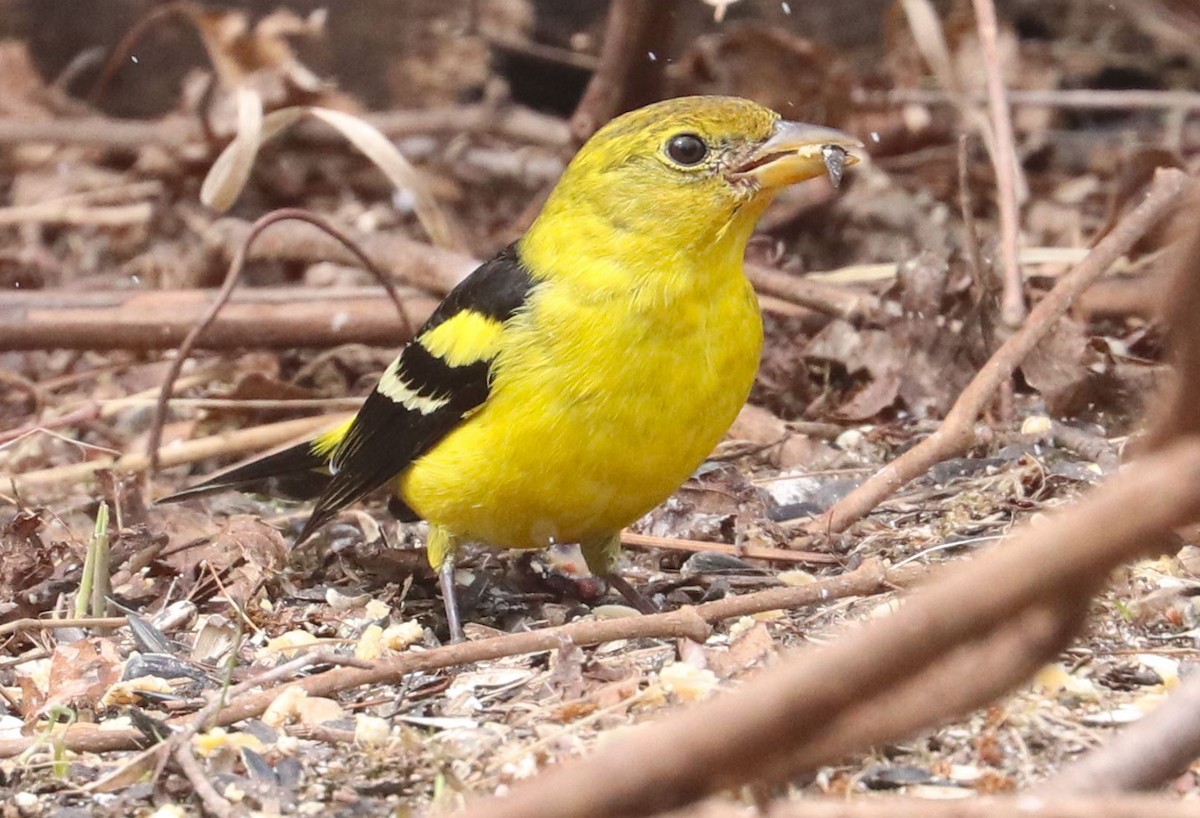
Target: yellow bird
[{"x": 574, "y": 381}]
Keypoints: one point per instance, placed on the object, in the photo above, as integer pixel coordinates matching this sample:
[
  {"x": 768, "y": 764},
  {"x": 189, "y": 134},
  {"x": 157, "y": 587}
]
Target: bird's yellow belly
[{"x": 585, "y": 432}]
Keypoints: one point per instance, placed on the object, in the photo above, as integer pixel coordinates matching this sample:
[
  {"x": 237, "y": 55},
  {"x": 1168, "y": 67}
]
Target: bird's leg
[
  {"x": 440, "y": 548},
  {"x": 450, "y": 600},
  {"x": 602, "y": 557}
]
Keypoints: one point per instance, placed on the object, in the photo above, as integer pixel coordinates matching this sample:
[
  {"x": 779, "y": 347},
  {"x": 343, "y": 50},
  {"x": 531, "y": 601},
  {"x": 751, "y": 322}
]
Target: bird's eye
[{"x": 687, "y": 149}]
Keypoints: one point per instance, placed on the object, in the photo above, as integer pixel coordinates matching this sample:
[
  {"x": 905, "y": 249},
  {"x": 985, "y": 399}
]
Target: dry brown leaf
[
  {"x": 748, "y": 649},
  {"x": 80, "y": 673},
  {"x": 1056, "y": 369},
  {"x": 878, "y": 394},
  {"x": 244, "y": 552},
  {"x": 263, "y": 386}
]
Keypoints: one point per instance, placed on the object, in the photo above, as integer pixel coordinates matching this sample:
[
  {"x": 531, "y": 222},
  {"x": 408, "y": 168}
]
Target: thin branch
[
  {"x": 1004, "y": 158},
  {"x": 214, "y": 803},
  {"x": 850, "y": 305},
  {"x": 118, "y": 56},
  {"x": 438, "y": 270},
  {"x": 967, "y": 210},
  {"x": 28, "y": 625},
  {"x": 754, "y": 552},
  {"x": 410, "y": 262},
  {"x": 206, "y": 717},
  {"x": 512, "y": 122},
  {"x": 77, "y": 214},
  {"x": 80, "y": 415}
]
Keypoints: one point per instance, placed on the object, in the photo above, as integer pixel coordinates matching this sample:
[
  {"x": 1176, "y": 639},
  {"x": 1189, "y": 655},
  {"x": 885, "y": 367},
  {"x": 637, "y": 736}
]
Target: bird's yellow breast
[{"x": 604, "y": 400}]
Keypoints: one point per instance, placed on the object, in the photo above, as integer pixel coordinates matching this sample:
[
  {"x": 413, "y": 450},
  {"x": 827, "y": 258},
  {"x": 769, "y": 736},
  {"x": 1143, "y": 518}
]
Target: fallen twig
[
  {"x": 415, "y": 263},
  {"x": 25, "y": 625},
  {"x": 513, "y": 122},
  {"x": 754, "y": 552},
  {"x": 214, "y": 803},
  {"x": 1092, "y": 447},
  {"x": 966, "y": 208},
  {"x": 1076, "y": 98},
  {"x": 80, "y": 415},
  {"x": 1141, "y": 296},
  {"x": 438, "y": 270},
  {"x": 854, "y": 306},
  {"x": 957, "y": 433},
  {"x": 77, "y": 214},
  {"x": 886, "y": 271},
  {"x": 262, "y": 318}
]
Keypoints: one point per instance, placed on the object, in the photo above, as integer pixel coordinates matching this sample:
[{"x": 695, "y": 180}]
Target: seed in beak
[{"x": 835, "y": 163}]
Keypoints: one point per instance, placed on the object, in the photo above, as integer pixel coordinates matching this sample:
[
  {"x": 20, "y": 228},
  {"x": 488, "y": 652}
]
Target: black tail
[
  {"x": 296, "y": 473},
  {"x": 300, "y": 472}
]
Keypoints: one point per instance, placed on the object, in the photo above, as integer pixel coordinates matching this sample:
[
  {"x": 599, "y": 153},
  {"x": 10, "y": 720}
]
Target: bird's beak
[{"x": 795, "y": 152}]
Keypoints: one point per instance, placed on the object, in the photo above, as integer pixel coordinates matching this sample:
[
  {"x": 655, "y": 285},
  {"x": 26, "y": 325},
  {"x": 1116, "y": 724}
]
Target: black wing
[{"x": 421, "y": 397}]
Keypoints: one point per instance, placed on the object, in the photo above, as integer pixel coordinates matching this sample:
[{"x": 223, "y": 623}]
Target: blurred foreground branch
[{"x": 1018, "y": 806}]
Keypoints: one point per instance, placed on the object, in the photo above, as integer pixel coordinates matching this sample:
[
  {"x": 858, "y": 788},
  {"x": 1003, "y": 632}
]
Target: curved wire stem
[{"x": 236, "y": 264}]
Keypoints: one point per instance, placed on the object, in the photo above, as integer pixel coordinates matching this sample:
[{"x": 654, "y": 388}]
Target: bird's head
[{"x": 693, "y": 171}]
